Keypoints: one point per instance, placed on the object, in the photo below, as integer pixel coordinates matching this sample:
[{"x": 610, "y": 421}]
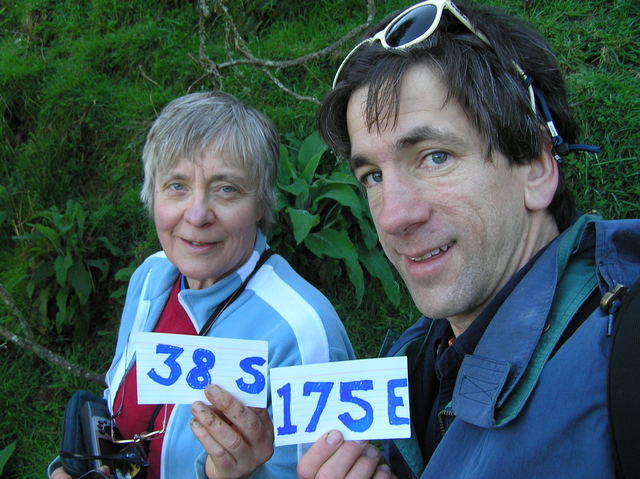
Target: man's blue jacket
[{"x": 526, "y": 406}]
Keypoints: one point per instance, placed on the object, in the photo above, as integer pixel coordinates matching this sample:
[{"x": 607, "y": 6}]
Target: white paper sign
[
  {"x": 364, "y": 399},
  {"x": 176, "y": 368}
]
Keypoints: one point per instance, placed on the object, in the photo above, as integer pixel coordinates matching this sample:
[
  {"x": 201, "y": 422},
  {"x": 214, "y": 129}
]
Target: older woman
[{"x": 210, "y": 166}]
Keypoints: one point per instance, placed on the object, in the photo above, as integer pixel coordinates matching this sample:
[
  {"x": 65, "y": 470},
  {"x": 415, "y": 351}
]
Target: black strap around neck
[{"x": 266, "y": 254}]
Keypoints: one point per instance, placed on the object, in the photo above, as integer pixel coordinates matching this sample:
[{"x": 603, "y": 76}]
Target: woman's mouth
[{"x": 198, "y": 244}]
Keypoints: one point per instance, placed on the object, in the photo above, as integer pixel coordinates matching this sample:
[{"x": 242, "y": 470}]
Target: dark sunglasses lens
[{"x": 411, "y": 26}]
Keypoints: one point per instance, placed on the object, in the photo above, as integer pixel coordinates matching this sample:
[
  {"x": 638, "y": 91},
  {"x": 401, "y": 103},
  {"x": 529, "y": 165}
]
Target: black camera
[{"x": 124, "y": 461}]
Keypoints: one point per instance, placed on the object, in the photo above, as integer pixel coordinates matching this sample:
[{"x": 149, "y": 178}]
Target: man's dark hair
[{"x": 482, "y": 79}]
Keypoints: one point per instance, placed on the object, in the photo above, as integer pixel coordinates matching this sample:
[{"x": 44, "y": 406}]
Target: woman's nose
[{"x": 199, "y": 212}]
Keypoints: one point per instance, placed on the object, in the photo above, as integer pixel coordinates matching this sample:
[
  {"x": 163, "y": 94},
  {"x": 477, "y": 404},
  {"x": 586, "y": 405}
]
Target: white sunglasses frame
[{"x": 440, "y": 6}]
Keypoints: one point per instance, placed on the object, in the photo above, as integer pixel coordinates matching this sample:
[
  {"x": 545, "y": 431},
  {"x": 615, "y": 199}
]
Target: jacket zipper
[{"x": 441, "y": 418}]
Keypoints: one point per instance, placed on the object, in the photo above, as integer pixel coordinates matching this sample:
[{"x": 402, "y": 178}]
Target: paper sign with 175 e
[{"x": 364, "y": 399}]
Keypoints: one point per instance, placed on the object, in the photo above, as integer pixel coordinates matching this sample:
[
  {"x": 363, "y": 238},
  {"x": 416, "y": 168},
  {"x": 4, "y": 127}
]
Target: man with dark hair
[{"x": 454, "y": 121}]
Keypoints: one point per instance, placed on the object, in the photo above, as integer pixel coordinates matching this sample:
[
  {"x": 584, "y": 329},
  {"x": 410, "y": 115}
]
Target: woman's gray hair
[{"x": 214, "y": 123}]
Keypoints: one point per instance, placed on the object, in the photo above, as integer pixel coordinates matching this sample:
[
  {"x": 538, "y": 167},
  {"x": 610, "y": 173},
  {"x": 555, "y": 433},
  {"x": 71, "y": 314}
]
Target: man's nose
[{"x": 401, "y": 206}]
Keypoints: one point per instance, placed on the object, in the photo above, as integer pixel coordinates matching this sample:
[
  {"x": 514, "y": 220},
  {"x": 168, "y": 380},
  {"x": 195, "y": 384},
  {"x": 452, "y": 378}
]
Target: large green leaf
[
  {"x": 113, "y": 249},
  {"x": 343, "y": 177},
  {"x": 81, "y": 281},
  {"x": 61, "y": 266},
  {"x": 368, "y": 232},
  {"x": 377, "y": 266},
  {"x": 302, "y": 222},
  {"x": 76, "y": 214},
  {"x": 309, "y": 155},
  {"x": 337, "y": 244},
  {"x": 101, "y": 264},
  {"x": 343, "y": 194},
  {"x": 299, "y": 188},
  {"x": 49, "y": 233},
  {"x": 310, "y": 168},
  {"x": 5, "y": 454},
  {"x": 286, "y": 172},
  {"x": 61, "y": 302}
]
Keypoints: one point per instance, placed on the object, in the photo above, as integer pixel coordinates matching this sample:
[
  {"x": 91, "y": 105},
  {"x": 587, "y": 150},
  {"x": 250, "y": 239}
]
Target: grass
[{"x": 79, "y": 86}]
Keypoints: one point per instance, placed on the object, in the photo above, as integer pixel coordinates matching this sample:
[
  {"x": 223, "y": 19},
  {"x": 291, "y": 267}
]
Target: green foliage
[
  {"x": 328, "y": 216},
  {"x": 63, "y": 258}
]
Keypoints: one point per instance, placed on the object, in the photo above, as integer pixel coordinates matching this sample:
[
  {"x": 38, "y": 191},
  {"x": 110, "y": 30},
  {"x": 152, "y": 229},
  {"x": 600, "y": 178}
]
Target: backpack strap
[{"x": 624, "y": 387}]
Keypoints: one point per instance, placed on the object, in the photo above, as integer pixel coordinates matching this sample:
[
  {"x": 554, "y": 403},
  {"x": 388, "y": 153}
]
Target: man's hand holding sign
[{"x": 364, "y": 399}]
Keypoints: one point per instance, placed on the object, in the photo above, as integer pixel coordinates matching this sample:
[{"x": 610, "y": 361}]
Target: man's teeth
[
  {"x": 196, "y": 243},
  {"x": 434, "y": 252}
]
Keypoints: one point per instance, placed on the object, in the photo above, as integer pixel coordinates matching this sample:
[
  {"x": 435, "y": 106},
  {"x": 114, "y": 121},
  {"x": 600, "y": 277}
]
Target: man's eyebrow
[
  {"x": 357, "y": 161},
  {"x": 411, "y": 138},
  {"x": 426, "y": 133}
]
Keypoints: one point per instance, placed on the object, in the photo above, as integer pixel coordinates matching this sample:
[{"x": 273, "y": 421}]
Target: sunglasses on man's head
[
  {"x": 412, "y": 26},
  {"x": 415, "y": 25}
]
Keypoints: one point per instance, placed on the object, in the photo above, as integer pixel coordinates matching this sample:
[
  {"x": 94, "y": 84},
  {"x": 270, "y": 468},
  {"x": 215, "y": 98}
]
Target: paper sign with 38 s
[
  {"x": 364, "y": 399},
  {"x": 176, "y": 368}
]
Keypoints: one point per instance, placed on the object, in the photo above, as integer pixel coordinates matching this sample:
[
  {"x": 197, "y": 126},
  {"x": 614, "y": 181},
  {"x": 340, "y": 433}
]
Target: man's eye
[
  {"x": 371, "y": 179},
  {"x": 437, "y": 158},
  {"x": 176, "y": 187}
]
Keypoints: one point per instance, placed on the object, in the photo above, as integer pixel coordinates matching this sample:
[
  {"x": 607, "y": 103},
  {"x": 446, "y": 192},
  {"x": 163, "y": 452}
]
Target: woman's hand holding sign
[{"x": 238, "y": 439}]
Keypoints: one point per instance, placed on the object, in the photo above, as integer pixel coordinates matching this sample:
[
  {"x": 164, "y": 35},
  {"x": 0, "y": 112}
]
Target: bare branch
[
  {"x": 13, "y": 308},
  {"x": 213, "y": 68},
  {"x": 287, "y": 90},
  {"x": 51, "y": 357},
  {"x": 242, "y": 47},
  {"x": 30, "y": 345},
  {"x": 209, "y": 65}
]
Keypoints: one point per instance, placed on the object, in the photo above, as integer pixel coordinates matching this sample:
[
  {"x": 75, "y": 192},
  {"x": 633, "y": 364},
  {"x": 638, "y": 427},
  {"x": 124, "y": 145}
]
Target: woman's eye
[
  {"x": 228, "y": 189},
  {"x": 371, "y": 179}
]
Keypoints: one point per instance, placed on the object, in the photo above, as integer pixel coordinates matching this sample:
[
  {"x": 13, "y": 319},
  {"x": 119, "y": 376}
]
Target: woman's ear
[{"x": 542, "y": 180}]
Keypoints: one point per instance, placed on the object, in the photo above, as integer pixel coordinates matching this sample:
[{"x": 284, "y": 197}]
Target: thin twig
[
  {"x": 287, "y": 90},
  {"x": 13, "y": 308},
  {"x": 147, "y": 77}
]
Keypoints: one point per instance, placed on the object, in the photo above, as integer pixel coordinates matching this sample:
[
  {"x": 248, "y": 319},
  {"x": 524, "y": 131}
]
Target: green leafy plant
[
  {"x": 329, "y": 218},
  {"x": 62, "y": 258}
]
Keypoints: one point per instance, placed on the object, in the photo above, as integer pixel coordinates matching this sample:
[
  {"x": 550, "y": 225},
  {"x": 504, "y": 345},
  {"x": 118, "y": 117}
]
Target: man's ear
[{"x": 541, "y": 181}]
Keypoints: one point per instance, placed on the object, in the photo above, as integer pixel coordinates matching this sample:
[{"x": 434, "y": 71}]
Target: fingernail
[
  {"x": 198, "y": 408},
  {"x": 384, "y": 467},
  {"x": 372, "y": 452},
  {"x": 212, "y": 392},
  {"x": 333, "y": 438}
]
